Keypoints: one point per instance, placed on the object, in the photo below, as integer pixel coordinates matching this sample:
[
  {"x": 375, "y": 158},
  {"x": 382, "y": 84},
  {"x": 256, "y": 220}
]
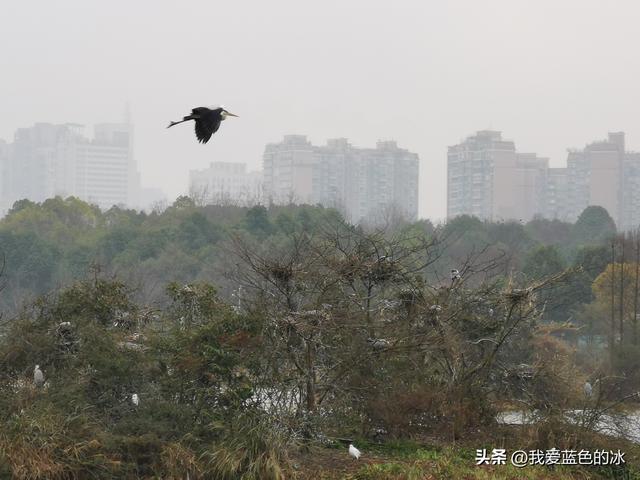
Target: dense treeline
[
  {"x": 217, "y": 342},
  {"x": 51, "y": 244}
]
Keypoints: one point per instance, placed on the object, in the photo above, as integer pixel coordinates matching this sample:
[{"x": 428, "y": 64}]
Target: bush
[{"x": 253, "y": 452}]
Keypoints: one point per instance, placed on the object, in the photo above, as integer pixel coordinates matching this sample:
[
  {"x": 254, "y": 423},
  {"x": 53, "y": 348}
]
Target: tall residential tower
[
  {"x": 365, "y": 184},
  {"x": 49, "y": 160},
  {"x": 488, "y": 178}
]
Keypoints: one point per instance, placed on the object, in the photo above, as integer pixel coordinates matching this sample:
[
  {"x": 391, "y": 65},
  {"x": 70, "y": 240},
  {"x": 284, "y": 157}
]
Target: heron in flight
[{"x": 207, "y": 121}]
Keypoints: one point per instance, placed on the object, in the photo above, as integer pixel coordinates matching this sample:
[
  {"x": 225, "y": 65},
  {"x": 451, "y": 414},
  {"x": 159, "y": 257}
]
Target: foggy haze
[{"x": 550, "y": 75}]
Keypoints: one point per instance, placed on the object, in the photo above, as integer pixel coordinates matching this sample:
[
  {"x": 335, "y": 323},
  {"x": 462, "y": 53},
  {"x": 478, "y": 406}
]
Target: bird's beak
[{"x": 231, "y": 114}]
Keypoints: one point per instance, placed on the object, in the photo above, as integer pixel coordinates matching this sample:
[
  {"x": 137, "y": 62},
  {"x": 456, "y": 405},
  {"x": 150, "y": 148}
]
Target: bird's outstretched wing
[
  {"x": 200, "y": 111},
  {"x": 207, "y": 123}
]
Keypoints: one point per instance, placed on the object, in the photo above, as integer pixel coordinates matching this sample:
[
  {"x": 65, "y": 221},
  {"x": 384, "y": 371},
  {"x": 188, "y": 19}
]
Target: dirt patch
[{"x": 329, "y": 463}]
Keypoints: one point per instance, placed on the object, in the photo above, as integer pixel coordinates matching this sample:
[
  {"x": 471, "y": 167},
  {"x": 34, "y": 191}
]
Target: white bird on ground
[
  {"x": 38, "y": 376},
  {"x": 378, "y": 343},
  {"x": 588, "y": 389},
  {"x": 135, "y": 399},
  {"x": 354, "y": 452}
]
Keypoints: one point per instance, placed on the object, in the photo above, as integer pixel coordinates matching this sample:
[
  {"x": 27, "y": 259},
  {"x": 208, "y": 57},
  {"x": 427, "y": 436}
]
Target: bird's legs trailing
[{"x": 188, "y": 117}]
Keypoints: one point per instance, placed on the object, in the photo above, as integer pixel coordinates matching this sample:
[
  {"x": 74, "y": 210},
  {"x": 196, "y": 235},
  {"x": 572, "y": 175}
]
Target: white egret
[
  {"x": 354, "y": 452},
  {"x": 135, "y": 399},
  {"x": 588, "y": 389},
  {"x": 378, "y": 343},
  {"x": 38, "y": 377}
]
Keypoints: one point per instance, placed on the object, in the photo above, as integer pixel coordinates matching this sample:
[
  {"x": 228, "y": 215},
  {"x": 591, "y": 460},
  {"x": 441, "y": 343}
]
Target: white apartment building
[
  {"x": 365, "y": 184},
  {"x": 226, "y": 183},
  {"x": 49, "y": 160}
]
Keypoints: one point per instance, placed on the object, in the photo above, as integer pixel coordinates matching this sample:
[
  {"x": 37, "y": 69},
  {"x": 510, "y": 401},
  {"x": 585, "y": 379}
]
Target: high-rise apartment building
[
  {"x": 555, "y": 200},
  {"x": 106, "y": 173},
  {"x": 595, "y": 175},
  {"x": 4, "y": 177},
  {"x": 48, "y": 160},
  {"x": 488, "y": 178},
  {"x": 604, "y": 173},
  {"x": 630, "y": 211},
  {"x": 365, "y": 184},
  {"x": 288, "y": 170},
  {"x": 226, "y": 183}
]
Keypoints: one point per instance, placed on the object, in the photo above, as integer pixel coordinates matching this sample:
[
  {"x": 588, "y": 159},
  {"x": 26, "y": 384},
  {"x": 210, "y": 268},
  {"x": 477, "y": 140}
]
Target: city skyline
[
  {"x": 452, "y": 68},
  {"x": 48, "y": 160},
  {"x": 540, "y": 189},
  {"x": 155, "y": 190},
  {"x": 489, "y": 178}
]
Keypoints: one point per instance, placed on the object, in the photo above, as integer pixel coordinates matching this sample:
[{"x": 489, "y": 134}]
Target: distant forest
[{"x": 51, "y": 244}]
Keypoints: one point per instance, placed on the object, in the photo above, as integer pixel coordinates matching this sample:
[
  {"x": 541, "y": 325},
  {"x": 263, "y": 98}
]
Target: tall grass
[
  {"x": 253, "y": 452},
  {"x": 42, "y": 444}
]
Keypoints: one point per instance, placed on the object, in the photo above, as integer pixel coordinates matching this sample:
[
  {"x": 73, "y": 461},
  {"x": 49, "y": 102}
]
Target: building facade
[
  {"x": 555, "y": 200},
  {"x": 106, "y": 173},
  {"x": 4, "y": 177},
  {"x": 365, "y": 184},
  {"x": 49, "y": 160},
  {"x": 595, "y": 173},
  {"x": 488, "y": 178},
  {"x": 226, "y": 183}
]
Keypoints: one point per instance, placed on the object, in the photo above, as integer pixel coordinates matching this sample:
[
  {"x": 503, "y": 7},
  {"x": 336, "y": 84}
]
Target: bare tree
[{"x": 337, "y": 304}]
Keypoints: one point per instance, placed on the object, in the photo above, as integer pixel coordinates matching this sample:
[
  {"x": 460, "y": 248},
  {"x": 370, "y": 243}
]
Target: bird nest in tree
[
  {"x": 518, "y": 295},
  {"x": 281, "y": 273},
  {"x": 349, "y": 267}
]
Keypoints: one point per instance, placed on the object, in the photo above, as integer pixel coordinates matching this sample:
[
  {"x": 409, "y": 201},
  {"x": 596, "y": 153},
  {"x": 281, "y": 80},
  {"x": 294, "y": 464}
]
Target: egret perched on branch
[
  {"x": 38, "y": 376},
  {"x": 207, "y": 121},
  {"x": 135, "y": 399},
  {"x": 354, "y": 452}
]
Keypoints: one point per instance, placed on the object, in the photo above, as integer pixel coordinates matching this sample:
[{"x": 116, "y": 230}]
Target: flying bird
[
  {"x": 38, "y": 376},
  {"x": 207, "y": 121},
  {"x": 354, "y": 452}
]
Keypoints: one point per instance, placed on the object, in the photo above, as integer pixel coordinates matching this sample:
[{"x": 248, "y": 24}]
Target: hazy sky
[{"x": 550, "y": 74}]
